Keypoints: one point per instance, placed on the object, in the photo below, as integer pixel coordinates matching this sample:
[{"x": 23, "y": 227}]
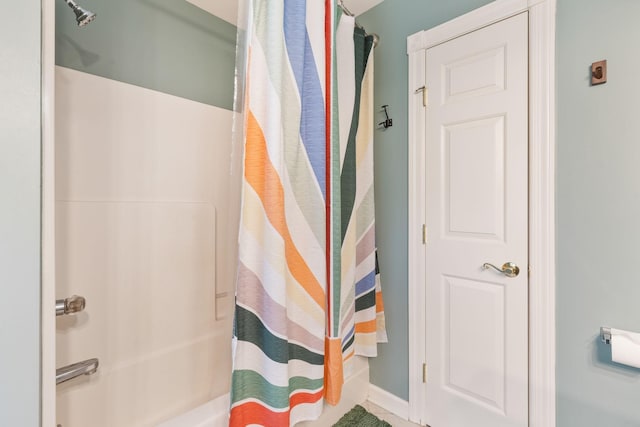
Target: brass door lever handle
[{"x": 509, "y": 269}]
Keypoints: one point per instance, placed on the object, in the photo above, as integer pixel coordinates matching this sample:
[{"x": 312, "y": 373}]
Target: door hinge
[
  {"x": 424, "y": 234},
  {"x": 425, "y": 95},
  {"x": 424, "y": 373}
]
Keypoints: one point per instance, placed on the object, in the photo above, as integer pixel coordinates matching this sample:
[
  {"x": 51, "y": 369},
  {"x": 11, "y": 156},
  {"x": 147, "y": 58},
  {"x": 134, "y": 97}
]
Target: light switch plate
[{"x": 599, "y": 72}]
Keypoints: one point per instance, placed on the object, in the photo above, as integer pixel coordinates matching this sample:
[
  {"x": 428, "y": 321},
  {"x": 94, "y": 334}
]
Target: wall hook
[{"x": 388, "y": 122}]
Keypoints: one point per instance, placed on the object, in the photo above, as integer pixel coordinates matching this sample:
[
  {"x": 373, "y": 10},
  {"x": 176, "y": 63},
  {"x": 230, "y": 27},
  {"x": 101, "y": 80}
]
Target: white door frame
[
  {"x": 48, "y": 287},
  {"x": 542, "y": 395}
]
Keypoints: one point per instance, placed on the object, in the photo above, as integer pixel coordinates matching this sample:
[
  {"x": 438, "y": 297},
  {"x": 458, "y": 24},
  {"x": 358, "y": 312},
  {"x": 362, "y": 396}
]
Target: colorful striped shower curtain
[{"x": 306, "y": 297}]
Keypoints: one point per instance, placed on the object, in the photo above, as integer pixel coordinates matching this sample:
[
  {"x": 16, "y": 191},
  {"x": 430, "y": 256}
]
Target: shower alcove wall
[
  {"x": 139, "y": 211},
  {"x": 142, "y": 208},
  {"x": 139, "y": 217}
]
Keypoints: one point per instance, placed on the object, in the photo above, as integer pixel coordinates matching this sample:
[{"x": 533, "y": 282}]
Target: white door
[{"x": 476, "y": 213}]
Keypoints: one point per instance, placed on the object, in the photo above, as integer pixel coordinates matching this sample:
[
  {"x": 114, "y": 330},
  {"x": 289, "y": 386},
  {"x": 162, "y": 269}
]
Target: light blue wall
[
  {"x": 166, "y": 45},
  {"x": 20, "y": 215},
  {"x": 598, "y": 210},
  {"x": 598, "y": 198},
  {"x": 393, "y": 21}
]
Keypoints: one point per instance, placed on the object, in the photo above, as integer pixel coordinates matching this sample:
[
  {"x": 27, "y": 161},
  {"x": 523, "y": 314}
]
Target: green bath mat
[{"x": 359, "y": 417}]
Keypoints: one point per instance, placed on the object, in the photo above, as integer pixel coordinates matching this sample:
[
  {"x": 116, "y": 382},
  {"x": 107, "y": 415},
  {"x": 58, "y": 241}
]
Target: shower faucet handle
[{"x": 73, "y": 304}]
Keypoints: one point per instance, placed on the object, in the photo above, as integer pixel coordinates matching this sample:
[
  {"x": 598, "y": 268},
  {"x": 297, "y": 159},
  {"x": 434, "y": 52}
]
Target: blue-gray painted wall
[
  {"x": 598, "y": 199},
  {"x": 598, "y": 210},
  {"x": 393, "y": 21},
  {"x": 165, "y": 45},
  {"x": 20, "y": 70}
]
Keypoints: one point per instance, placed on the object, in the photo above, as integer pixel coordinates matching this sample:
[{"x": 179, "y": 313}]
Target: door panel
[
  {"x": 474, "y": 356},
  {"x": 474, "y": 174},
  {"x": 476, "y": 208},
  {"x": 475, "y": 75}
]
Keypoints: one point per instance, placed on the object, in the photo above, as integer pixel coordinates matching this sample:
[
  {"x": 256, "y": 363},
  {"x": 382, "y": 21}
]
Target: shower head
[{"x": 83, "y": 16}]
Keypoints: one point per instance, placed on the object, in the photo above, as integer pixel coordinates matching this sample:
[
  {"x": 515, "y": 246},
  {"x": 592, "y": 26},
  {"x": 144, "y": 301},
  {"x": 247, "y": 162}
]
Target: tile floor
[{"x": 392, "y": 419}]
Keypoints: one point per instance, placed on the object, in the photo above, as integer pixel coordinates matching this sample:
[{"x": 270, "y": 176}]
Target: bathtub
[{"x": 215, "y": 412}]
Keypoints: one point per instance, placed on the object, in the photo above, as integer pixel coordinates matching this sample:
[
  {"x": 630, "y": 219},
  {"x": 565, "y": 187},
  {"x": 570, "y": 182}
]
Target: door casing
[
  {"x": 48, "y": 286},
  {"x": 542, "y": 411}
]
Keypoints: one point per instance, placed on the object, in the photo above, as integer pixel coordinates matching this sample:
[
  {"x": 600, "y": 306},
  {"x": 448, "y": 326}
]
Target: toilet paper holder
[{"x": 605, "y": 334}]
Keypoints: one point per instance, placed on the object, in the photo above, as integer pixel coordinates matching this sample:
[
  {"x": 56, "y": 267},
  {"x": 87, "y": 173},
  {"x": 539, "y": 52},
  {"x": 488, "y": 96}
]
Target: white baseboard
[{"x": 389, "y": 402}]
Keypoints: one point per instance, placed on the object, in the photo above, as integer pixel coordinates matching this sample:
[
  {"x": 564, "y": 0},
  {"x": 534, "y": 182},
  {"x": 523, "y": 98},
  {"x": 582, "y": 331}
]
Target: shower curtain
[{"x": 306, "y": 297}]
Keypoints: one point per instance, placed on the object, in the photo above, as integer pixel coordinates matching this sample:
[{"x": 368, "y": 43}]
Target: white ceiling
[
  {"x": 228, "y": 9},
  {"x": 225, "y": 9},
  {"x": 358, "y": 7}
]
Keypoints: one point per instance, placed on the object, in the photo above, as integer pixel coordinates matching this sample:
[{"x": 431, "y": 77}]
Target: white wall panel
[{"x": 142, "y": 202}]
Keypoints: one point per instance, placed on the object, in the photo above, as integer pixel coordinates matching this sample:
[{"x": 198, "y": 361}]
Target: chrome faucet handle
[{"x": 73, "y": 304}]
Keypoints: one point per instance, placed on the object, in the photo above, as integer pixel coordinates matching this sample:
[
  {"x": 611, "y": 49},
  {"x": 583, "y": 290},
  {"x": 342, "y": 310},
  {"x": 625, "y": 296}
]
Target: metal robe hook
[{"x": 388, "y": 122}]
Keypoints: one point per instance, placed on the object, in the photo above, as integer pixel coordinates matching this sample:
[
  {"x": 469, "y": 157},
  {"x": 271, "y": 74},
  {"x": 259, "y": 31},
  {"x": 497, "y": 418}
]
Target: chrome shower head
[{"x": 83, "y": 16}]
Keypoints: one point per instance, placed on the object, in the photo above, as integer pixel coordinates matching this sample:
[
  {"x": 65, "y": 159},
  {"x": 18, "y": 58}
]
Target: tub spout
[{"x": 69, "y": 372}]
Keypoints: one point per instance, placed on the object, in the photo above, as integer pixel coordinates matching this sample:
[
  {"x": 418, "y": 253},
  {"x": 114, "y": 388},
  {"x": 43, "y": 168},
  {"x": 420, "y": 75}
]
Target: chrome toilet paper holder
[{"x": 605, "y": 334}]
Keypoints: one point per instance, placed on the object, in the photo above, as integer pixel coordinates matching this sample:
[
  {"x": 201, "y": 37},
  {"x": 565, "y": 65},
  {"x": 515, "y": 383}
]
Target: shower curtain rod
[{"x": 376, "y": 38}]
